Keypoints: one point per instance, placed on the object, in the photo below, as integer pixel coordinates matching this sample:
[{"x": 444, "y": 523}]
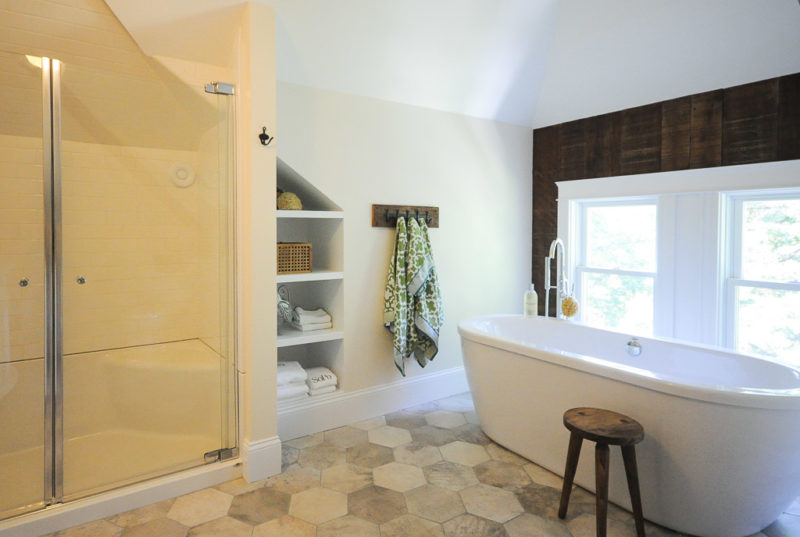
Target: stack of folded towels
[
  {"x": 306, "y": 320},
  {"x": 320, "y": 380},
  {"x": 291, "y": 382}
]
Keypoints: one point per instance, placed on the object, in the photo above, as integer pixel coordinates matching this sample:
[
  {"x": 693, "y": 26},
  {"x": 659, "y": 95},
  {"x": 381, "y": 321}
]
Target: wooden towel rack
[{"x": 386, "y": 215}]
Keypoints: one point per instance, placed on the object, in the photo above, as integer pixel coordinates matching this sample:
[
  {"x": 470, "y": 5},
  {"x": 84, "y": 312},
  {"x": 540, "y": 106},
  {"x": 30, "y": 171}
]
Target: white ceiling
[{"x": 527, "y": 62}]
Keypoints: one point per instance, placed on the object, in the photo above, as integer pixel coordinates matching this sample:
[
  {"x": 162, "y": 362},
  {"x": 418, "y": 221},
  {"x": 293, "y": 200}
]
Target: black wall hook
[{"x": 264, "y": 137}]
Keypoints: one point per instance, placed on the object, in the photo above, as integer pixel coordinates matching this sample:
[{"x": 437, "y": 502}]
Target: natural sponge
[{"x": 289, "y": 201}]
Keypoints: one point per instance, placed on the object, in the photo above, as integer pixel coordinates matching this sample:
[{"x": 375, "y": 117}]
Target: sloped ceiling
[{"x": 527, "y": 62}]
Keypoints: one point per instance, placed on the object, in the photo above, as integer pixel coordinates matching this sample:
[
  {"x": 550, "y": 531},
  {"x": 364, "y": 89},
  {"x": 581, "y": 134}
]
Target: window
[
  {"x": 762, "y": 294},
  {"x": 710, "y": 256},
  {"x": 616, "y": 266}
]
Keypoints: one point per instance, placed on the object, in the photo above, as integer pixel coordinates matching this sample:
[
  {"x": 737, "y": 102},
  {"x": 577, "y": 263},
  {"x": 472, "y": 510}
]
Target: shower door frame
[
  {"x": 53, "y": 299},
  {"x": 53, "y": 349}
]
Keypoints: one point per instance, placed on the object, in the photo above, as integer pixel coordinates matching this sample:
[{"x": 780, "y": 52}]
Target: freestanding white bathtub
[{"x": 721, "y": 454}]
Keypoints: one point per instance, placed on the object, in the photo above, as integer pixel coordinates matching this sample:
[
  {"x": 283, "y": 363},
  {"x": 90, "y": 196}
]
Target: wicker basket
[{"x": 294, "y": 257}]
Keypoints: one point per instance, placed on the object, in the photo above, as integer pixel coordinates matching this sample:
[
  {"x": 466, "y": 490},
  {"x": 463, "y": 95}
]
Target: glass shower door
[
  {"x": 23, "y": 470},
  {"x": 146, "y": 244}
]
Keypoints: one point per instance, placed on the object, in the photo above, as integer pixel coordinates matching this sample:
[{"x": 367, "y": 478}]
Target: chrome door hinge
[{"x": 220, "y": 455}]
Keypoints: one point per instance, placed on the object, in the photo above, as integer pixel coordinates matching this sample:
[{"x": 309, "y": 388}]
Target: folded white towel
[
  {"x": 326, "y": 389},
  {"x": 320, "y": 377},
  {"x": 310, "y": 327},
  {"x": 291, "y": 390},
  {"x": 293, "y": 399},
  {"x": 311, "y": 316},
  {"x": 289, "y": 372}
]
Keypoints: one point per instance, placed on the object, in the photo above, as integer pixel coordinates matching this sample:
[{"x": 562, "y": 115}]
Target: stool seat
[{"x": 604, "y": 426}]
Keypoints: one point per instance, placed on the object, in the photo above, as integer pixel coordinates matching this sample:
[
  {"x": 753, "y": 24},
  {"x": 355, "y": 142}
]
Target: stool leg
[
  {"x": 629, "y": 457},
  {"x": 573, "y": 453},
  {"x": 601, "y": 481}
]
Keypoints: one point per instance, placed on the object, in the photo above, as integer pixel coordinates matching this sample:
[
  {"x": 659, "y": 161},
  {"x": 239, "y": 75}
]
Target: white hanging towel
[
  {"x": 320, "y": 377},
  {"x": 289, "y": 372}
]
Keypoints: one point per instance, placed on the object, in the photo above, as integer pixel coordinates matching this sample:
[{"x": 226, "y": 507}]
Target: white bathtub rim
[{"x": 776, "y": 399}]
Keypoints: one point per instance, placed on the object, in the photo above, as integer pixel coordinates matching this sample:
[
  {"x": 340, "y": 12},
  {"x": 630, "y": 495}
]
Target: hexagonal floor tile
[
  {"x": 295, "y": 479},
  {"x": 543, "y": 501},
  {"x": 464, "y": 453},
  {"x": 445, "y": 419},
  {"x": 318, "y": 505},
  {"x": 491, "y": 502},
  {"x": 162, "y": 527},
  {"x": 346, "y": 477},
  {"x": 369, "y": 455},
  {"x": 461, "y": 402},
  {"x": 450, "y": 475},
  {"x": 411, "y": 526},
  {"x": 473, "y": 434},
  {"x": 372, "y": 423},
  {"x": 260, "y": 505},
  {"x": 305, "y": 442},
  {"x": 201, "y": 506},
  {"x": 322, "y": 456},
  {"x": 142, "y": 514},
  {"x": 286, "y": 526},
  {"x": 345, "y": 437},
  {"x": 417, "y": 454},
  {"x": 227, "y": 526},
  {"x": 376, "y": 504},
  {"x": 433, "y": 436},
  {"x": 543, "y": 477},
  {"x": 501, "y": 474},
  {"x": 472, "y": 526},
  {"x": 586, "y": 526},
  {"x": 398, "y": 476},
  {"x": 350, "y": 526},
  {"x": 527, "y": 525},
  {"x": 405, "y": 420},
  {"x": 434, "y": 503},
  {"x": 500, "y": 453},
  {"x": 389, "y": 436}
]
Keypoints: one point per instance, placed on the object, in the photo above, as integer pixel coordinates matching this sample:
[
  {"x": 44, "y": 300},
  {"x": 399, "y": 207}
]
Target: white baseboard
[
  {"x": 340, "y": 409},
  {"x": 262, "y": 459},
  {"x": 110, "y": 503}
]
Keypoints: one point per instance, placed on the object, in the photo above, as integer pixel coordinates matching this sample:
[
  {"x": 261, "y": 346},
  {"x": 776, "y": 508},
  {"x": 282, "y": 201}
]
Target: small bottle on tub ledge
[{"x": 530, "y": 303}]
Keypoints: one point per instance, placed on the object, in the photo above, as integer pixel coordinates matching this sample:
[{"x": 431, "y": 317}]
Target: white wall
[
  {"x": 617, "y": 54},
  {"x": 359, "y": 151}
]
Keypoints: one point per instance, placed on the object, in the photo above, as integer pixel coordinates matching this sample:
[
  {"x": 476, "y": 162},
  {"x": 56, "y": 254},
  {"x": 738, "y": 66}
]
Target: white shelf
[
  {"x": 317, "y": 275},
  {"x": 309, "y": 401},
  {"x": 310, "y": 214},
  {"x": 288, "y": 336}
]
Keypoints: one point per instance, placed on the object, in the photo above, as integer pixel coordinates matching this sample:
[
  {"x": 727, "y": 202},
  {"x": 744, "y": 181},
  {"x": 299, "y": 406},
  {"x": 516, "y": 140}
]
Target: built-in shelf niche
[{"x": 321, "y": 223}]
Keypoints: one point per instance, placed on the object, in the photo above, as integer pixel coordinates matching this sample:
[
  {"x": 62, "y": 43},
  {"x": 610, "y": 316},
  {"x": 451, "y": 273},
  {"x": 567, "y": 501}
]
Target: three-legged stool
[{"x": 605, "y": 428}]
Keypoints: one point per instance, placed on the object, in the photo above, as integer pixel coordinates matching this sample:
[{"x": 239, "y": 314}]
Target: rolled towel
[
  {"x": 291, "y": 390},
  {"x": 320, "y": 377},
  {"x": 289, "y": 372},
  {"x": 326, "y": 389},
  {"x": 311, "y": 316},
  {"x": 311, "y": 327}
]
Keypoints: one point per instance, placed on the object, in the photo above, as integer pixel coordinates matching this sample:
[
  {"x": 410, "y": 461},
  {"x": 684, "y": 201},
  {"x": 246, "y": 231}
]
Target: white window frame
[
  {"x": 580, "y": 266},
  {"x": 733, "y": 260},
  {"x": 690, "y": 277}
]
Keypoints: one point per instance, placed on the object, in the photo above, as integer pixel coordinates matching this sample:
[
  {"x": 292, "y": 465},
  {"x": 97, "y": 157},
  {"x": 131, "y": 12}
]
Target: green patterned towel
[
  {"x": 395, "y": 298},
  {"x": 413, "y": 310},
  {"x": 428, "y": 313}
]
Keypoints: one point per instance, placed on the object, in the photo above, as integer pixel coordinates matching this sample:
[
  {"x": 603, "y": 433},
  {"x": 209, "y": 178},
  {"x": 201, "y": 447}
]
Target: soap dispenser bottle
[{"x": 530, "y": 304}]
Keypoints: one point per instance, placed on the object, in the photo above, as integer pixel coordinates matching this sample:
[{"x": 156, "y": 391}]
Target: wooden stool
[{"x": 605, "y": 428}]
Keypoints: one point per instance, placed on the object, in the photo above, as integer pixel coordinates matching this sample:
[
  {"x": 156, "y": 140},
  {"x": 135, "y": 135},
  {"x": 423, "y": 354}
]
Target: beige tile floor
[{"x": 426, "y": 471}]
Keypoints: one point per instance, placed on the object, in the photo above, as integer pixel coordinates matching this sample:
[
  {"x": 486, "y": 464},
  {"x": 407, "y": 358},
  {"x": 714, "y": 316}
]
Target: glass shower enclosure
[{"x": 117, "y": 355}]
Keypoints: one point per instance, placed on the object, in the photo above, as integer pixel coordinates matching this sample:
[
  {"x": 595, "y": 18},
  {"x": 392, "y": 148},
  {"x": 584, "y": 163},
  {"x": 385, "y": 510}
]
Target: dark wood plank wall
[{"x": 758, "y": 122}]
